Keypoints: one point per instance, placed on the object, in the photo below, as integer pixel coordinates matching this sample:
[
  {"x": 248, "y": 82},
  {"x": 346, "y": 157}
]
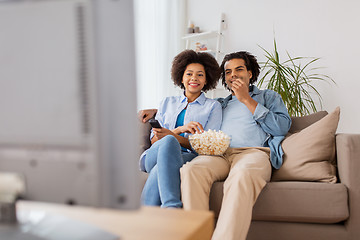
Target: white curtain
[{"x": 159, "y": 26}]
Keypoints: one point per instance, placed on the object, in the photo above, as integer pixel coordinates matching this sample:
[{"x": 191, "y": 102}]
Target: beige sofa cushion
[
  {"x": 305, "y": 202},
  {"x": 309, "y": 154},
  {"x": 311, "y": 202}
]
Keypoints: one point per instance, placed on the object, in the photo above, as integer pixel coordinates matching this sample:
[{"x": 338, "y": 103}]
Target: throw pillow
[{"x": 309, "y": 154}]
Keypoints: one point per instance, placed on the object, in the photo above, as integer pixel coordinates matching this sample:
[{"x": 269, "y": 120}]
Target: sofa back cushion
[
  {"x": 299, "y": 123},
  {"x": 309, "y": 154}
]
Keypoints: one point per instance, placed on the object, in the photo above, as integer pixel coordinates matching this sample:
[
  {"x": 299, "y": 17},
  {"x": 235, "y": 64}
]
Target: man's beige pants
[{"x": 246, "y": 171}]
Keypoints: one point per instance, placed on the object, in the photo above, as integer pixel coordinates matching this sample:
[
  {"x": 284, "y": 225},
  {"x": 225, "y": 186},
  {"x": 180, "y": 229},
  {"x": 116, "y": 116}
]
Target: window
[{"x": 159, "y": 26}]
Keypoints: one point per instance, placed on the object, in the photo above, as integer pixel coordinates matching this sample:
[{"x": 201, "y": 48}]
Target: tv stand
[{"x": 151, "y": 223}]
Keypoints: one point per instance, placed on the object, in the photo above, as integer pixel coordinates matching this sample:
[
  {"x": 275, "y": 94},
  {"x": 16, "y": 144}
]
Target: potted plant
[{"x": 293, "y": 80}]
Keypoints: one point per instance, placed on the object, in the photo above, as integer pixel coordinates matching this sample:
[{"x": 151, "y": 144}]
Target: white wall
[{"x": 313, "y": 28}]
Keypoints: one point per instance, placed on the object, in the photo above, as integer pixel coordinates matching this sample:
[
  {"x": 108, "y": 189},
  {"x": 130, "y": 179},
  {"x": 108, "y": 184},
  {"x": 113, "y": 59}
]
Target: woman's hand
[
  {"x": 159, "y": 133},
  {"x": 146, "y": 114},
  {"x": 192, "y": 127}
]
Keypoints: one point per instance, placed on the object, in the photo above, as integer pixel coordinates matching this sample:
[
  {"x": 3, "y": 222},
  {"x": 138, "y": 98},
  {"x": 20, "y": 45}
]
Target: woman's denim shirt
[{"x": 204, "y": 110}]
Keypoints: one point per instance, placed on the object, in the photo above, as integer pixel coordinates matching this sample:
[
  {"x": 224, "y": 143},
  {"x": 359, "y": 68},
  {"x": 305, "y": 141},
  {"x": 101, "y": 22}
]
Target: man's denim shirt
[{"x": 272, "y": 115}]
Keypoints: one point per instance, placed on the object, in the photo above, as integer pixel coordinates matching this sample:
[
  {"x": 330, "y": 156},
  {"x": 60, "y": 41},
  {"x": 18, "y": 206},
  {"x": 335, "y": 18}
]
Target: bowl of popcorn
[{"x": 210, "y": 142}]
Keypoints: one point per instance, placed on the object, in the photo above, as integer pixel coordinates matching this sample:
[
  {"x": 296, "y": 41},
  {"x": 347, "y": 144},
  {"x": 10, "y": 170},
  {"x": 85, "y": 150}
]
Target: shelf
[
  {"x": 207, "y": 51},
  {"x": 199, "y": 36},
  {"x": 193, "y": 39}
]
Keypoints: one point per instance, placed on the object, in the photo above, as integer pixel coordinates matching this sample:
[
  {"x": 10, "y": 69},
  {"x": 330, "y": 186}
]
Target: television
[{"x": 68, "y": 100}]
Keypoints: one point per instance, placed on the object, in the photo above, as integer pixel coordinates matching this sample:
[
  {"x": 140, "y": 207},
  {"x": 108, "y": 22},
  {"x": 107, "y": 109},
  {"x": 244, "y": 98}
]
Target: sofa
[{"x": 305, "y": 210}]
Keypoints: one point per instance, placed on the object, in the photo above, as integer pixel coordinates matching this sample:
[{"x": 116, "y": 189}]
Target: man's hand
[
  {"x": 241, "y": 91},
  {"x": 146, "y": 114}
]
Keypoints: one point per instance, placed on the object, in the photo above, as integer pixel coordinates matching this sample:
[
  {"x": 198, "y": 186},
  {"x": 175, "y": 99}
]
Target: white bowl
[{"x": 210, "y": 142}]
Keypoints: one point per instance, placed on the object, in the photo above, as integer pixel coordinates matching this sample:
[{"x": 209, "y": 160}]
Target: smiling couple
[{"x": 257, "y": 121}]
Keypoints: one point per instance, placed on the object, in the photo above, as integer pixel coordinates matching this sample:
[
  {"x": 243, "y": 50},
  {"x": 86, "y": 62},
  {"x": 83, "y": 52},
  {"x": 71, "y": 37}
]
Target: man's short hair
[{"x": 250, "y": 64}]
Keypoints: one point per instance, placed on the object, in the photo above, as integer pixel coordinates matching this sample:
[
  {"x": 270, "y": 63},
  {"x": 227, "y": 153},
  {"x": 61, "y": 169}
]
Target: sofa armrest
[
  {"x": 348, "y": 161},
  {"x": 144, "y": 136}
]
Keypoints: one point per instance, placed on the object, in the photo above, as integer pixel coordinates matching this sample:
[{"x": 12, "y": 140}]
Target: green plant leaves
[{"x": 293, "y": 80}]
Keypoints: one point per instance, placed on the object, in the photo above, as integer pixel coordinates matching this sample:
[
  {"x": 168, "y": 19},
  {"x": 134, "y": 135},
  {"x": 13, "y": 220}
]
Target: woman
[{"x": 180, "y": 116}]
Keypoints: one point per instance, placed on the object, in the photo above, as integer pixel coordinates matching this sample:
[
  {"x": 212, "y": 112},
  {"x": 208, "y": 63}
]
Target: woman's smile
[{"x": 194, "y": 84}]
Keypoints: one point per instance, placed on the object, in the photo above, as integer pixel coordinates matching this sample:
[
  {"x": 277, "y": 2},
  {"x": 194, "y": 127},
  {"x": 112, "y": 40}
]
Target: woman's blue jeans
[{"x": 163, "y": 162}]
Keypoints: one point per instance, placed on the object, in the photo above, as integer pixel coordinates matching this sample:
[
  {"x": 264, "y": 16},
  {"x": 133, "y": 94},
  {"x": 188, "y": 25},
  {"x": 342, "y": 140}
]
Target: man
[{"x": 257, "y": 121}]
